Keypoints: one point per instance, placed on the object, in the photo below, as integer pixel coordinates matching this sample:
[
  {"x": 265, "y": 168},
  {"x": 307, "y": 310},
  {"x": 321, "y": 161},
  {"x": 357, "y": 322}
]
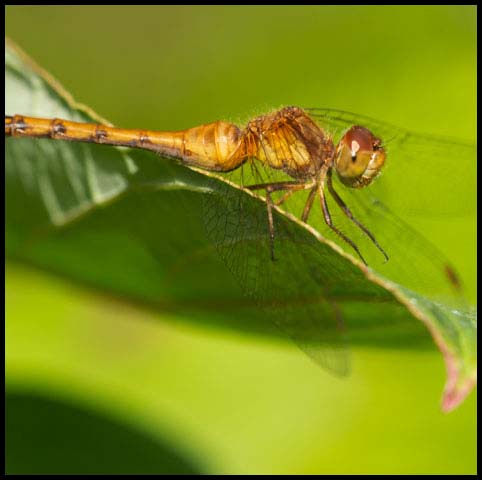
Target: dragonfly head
[{"x": 359, "y": 157}]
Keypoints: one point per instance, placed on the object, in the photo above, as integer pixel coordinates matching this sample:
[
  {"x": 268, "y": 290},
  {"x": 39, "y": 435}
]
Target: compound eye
[
  {"x": 359, "y": 157},
  {"x": 360, "y": 138}
]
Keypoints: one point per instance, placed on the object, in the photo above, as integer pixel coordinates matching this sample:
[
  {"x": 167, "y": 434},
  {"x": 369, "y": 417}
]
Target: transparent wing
[
  {"x": 297, "y": 290},
  {"x": 427, "y": 165},
  {"x": 414, "y": 262},
  {"x": 304, "y": 308}
]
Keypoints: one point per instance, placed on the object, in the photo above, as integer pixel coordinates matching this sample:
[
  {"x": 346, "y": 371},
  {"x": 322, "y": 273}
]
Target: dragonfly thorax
[{"x": 291, "y": 141}]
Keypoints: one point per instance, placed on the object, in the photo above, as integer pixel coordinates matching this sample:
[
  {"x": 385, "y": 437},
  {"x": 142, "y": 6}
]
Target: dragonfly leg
[
  {"x": 348, "y": 213},
  {"x": 269, "y": 204},
  {"x": 308, "y": 205},
  {"x": 289, "y": 192},
  {"x": 329, "y": 222},
  {"x": 290, "y": 188},
  {"x": 274, "y": 186}
]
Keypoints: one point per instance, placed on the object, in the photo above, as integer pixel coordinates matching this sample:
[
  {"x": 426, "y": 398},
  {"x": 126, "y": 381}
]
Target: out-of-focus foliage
[
  {"x": 63, "y": 197},
  {"x": 80, "y": 441}
]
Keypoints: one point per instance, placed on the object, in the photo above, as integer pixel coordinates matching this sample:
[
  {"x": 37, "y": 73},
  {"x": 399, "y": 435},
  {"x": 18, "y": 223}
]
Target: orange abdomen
[{"x": 218, "y": 146}]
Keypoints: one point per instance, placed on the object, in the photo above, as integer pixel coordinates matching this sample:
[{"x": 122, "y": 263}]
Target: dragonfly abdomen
[
  {"x": 217, "y": 146},
  {"x": 59, "y": 129}
]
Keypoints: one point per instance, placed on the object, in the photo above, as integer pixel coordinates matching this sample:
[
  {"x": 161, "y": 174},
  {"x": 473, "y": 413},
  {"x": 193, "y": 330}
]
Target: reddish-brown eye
[
  {"x": 359, "y": 157},
  {"x": 360, "y": 138}
]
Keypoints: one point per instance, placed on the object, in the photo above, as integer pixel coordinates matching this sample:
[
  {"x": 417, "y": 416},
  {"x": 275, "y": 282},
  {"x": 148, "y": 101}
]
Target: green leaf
[{"x": 133, "y": 224}]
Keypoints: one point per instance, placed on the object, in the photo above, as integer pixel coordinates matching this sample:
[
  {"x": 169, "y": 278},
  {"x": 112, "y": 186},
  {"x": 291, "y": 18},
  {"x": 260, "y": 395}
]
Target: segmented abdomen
[{"x": 218, "y": 146}]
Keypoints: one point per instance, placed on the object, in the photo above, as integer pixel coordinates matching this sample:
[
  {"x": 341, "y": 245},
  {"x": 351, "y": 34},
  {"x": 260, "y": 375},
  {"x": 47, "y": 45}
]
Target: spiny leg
[
  {"x": 290, "y": 188},
  {"x": 269, "y": 204},
  {"x": 274, "y": 186},
  {"x": 289, "y": 192},
  {"x": 308, "y": 205},
  {"x": 329, "y": 222},
  {"x": 285, "y": 196},
  {"x": 348, "y": 213}
]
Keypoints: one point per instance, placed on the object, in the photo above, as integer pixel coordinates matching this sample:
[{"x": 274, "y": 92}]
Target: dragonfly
[
  {"x": 309, "y": 153},
  {"x": 287, "y": 140}
]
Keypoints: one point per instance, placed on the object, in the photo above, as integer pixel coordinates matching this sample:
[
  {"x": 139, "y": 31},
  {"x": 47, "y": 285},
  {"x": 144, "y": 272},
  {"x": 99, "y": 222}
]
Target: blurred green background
[{"x": 87, "y": 370}]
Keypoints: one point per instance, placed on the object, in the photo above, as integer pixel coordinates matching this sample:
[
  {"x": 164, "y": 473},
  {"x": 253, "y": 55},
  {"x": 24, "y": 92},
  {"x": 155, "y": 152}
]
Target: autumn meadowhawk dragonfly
[{"x": 300, "y": 158}]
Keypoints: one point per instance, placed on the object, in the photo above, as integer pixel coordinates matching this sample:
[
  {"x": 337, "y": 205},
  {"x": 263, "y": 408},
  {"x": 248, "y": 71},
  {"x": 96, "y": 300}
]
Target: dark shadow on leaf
[{"x": 50, "y": 436}]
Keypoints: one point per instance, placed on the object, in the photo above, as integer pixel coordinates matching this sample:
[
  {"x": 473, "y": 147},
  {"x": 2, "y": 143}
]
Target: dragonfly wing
[
  {"x": 414, "y": 262},
  {"x": 420, "y": 176},
  {"x": 296, "y": 290}
]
